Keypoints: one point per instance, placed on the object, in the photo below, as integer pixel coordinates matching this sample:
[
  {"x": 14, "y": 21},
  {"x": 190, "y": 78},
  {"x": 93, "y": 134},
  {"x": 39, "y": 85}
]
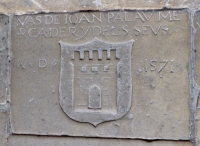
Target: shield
[{"x": 96, "y": 81}]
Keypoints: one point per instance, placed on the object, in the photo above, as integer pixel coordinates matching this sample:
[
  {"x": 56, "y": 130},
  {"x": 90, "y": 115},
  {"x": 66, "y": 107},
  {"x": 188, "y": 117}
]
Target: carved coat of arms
[{"x": 96, "y": 81}]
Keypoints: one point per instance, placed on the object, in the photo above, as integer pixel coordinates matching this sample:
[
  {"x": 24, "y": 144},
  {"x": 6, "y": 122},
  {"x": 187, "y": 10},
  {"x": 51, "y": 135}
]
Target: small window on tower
[
  {"x": 106, "y": 68},
  {"x": 94, "y": 69},
  {"x": 83, "y": 69}
]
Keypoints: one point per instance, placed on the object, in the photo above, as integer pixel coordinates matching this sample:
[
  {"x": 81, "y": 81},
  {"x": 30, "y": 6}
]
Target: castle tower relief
[
  {"x": 95, "y": 81},
  {"x": 93, "y": 86}
]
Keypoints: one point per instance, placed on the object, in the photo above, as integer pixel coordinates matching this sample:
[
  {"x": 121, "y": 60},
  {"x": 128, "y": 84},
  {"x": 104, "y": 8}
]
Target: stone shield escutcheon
[{"x": 96, "y": 89}]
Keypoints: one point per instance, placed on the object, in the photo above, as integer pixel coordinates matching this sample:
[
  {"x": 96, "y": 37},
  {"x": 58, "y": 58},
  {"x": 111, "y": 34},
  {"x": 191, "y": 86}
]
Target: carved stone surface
[
  {"x": 63, "y": 141},
  {"x": 90, "y": 85},
  {"x": 159, "y": 71}
]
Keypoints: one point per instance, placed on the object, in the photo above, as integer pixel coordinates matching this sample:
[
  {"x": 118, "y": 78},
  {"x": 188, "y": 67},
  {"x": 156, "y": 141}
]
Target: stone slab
[
  {"x": 160, "y": 93},
  {"x": 35, "y": 6},
  {"x": 4, "y": 59},
  {"x": 63, "y": 141}
]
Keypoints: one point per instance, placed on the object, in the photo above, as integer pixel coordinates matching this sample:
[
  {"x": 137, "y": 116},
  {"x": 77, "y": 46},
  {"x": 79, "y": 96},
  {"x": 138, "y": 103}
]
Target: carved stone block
[{"x": 81, "y": 74}]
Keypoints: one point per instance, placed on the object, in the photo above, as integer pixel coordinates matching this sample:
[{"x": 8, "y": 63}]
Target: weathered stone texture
[
  {"x": 197, "y": 68},
  {"x": 183, "y": 4},
  {"x": 21, "y": 6},
  {"x": 66, "y": 141},
  {"x": 4, "y": 58},
  {"x": 196, "y": 45},
  {"x": 34, "y": 6},
  {"x": 160, "y": 58},
  {"x": 160, "y": 70},
  {"x": 3, "y": 128}
]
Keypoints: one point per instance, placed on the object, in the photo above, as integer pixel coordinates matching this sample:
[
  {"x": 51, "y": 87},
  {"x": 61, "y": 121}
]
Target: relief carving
[{"x": 87, "y": 92}]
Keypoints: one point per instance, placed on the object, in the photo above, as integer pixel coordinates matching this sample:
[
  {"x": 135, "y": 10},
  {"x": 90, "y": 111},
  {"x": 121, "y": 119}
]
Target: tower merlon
[{"x": 107, "y": 54}]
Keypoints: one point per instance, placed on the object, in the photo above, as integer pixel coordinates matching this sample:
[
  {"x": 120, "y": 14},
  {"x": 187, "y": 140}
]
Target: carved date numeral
[{"x": 156, "y": 65}]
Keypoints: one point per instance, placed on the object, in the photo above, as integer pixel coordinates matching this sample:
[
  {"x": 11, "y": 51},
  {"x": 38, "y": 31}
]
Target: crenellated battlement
[
  {"x": 93, "y": 62},
  {"x": 95, "y": 55}
]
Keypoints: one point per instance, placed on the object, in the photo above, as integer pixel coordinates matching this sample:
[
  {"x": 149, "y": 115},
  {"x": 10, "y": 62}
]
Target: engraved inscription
[
  {"x": 158, "y": 65},
  {"x": 74, "y": 24}
]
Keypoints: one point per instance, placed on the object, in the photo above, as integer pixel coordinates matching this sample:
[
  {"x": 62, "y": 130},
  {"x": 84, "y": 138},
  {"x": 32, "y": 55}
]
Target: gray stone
[
  {"x": 3, "y": 128},
  {"x": 35, "y": 6},
  {"x": 4, "y": 59},
  {"x": 160, "y": 82},
  {"x": 73, "y": 80},
  {"x": 196, "y": 54}
]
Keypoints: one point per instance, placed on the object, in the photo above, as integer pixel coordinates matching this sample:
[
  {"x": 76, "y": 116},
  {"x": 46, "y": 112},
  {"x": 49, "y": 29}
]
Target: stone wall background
[
  {"x": 8, "y": 8},
  {"x": 35, "y": 6}
]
